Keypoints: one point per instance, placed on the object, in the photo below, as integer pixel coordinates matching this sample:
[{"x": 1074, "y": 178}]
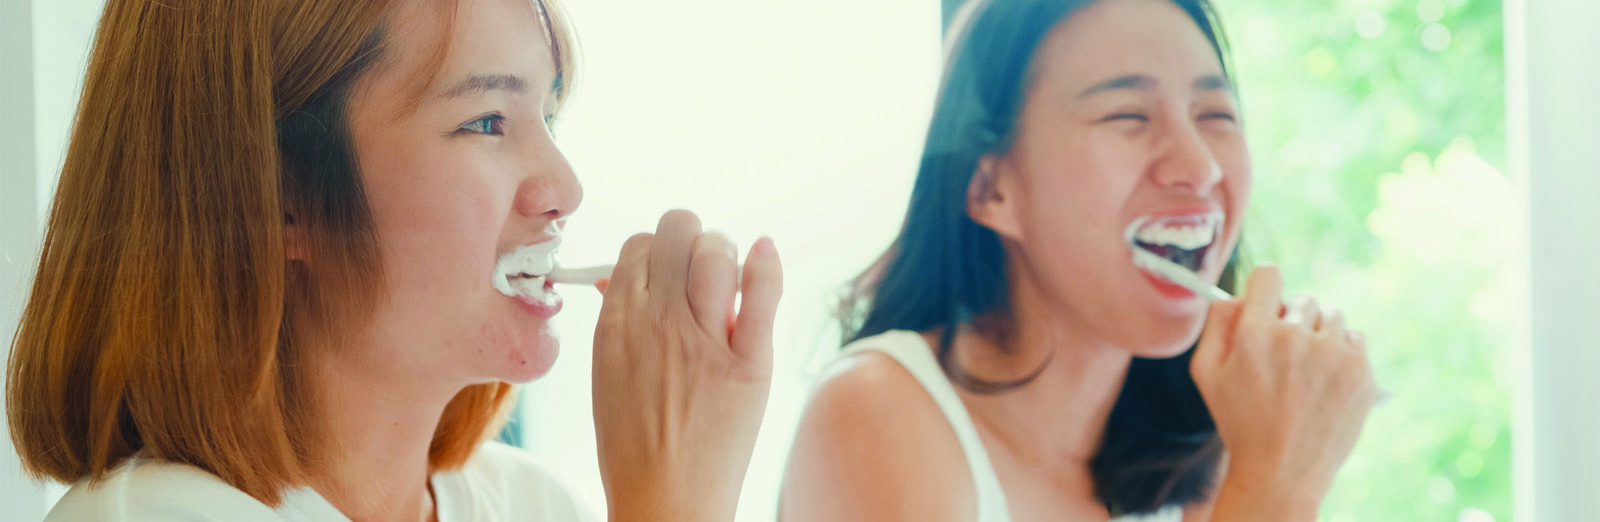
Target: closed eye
[{"x": 1126, "y": 116}]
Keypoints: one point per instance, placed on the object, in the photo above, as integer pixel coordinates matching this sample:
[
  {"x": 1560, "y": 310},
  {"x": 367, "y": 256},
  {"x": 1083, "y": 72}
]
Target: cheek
[
  {"x": 1074, "y": 214},
  {"x": 438, "y": 228},
  {"x": 1240, "y": 185},
  {"x": 1238, "y": 180},
  {"x": 1237, "y": 183},
  {"x": 1234, "y": 158}
]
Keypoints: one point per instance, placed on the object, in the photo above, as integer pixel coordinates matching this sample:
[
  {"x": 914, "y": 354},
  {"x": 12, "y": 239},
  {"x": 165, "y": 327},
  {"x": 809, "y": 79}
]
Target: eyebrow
[
  {"x": 1139, "y": 82},
  {"x": 483, "y": 83},
  {"x": 1212, "y": 82}
]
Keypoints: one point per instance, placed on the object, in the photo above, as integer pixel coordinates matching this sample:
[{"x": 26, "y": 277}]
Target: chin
[
  {"x": 527, "y": 360},
  {"x": 1170, "y": 339}
]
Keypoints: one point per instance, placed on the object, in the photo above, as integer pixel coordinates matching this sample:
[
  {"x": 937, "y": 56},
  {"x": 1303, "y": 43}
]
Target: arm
[{"x": 872, "y": 445}]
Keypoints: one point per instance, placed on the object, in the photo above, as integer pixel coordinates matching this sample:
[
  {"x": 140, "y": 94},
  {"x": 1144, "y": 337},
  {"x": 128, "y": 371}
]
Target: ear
[
  {"x": 296, "y": 246},
  {"x": 991, "y": 198}
]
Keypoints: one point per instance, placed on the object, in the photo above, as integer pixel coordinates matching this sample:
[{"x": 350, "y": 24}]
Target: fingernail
[{"x": 765, "y": 246}]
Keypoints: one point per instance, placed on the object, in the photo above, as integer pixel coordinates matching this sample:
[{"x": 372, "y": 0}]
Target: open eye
[{"x": 491, "y": 125}]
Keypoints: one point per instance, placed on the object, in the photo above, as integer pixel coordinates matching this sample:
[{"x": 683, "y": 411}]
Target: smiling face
[
  {"x": 1129, "y": 128},
  {"x": 457, "y": 180}
]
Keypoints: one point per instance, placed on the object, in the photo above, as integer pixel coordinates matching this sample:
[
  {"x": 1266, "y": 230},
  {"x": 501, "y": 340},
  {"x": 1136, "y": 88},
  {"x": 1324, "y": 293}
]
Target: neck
[
  {"x": 372, "y": 460},
  {"x": 1060, "y": 416}
]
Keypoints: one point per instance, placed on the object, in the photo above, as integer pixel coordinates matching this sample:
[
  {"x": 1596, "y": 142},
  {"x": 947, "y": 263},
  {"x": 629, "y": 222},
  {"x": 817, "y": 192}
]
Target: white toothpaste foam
[{"x": 536, "y": 260}]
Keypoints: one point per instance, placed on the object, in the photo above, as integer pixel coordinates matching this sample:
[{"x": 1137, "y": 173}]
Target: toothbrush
[
  {"x": 586, "y": 276},
  {"x": 589, "y": 275},
  {"x": 1187, "y": 279},
  {"x": 1178, "y": 274}
]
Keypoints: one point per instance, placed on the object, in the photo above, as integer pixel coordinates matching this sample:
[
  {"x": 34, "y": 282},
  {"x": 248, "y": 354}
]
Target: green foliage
[{"x": 1377, "y": 128}]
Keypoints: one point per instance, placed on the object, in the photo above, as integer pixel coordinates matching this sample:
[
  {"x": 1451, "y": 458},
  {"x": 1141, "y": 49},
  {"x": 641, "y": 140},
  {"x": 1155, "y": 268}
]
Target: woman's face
[
  {"x": 1127, "y": 120},
  {"x": 469, "y": 176}
]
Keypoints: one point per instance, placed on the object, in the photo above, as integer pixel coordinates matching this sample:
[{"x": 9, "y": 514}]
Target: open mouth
[
  {"x": 528, "y": 284},
  {"x": 1182, "y": 239},
  {"x": 521, "y": 272}
]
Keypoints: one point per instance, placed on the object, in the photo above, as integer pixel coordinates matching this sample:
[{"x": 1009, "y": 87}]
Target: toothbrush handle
[{"x": 590, "y": 275}]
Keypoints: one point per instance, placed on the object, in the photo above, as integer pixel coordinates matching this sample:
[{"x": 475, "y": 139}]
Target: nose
[
  {"x": 1187, "y": 162},
  {"x": 550, "y": 191}
]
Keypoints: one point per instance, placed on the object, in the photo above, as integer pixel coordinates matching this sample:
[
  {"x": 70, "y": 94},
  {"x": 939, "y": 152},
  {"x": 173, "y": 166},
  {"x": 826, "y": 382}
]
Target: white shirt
[
  {"x": 913, "y": 353},
  {"x": 498, "y": 484}
]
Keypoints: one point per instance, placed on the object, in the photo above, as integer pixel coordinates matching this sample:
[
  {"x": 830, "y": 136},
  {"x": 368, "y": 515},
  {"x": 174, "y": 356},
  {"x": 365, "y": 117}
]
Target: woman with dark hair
[{"x": 1007, "y": 360}]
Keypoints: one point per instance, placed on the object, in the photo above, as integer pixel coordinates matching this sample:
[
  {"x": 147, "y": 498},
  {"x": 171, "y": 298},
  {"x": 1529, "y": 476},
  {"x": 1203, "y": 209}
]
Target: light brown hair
[{"x": 163, "y": 311}]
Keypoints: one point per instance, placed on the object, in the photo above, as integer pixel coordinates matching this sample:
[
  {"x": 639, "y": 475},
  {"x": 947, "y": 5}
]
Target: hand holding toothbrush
[
  {"x": 680, "y": 376},
  {"x": 1289, "y": 394}
]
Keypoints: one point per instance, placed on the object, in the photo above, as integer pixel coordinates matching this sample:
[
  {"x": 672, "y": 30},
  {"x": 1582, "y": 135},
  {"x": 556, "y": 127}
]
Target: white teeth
[
  {"x": 1186, "y": 236},
  {"x": 1168, "y": 235},
  {"x": 535, "y": 260}
]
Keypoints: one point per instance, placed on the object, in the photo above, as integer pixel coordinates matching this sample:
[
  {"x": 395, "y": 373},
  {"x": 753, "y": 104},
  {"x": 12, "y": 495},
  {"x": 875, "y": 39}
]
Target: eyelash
[
  {"x": 495, "y": 122},
  {"x": 1133, "y": 116}
]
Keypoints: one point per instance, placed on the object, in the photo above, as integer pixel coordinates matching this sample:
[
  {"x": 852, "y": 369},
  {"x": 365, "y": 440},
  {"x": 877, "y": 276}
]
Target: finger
[
  {"x": 1216, "y": 340},
  {"x": 713, "y": 282},
  {"x": 1303, "y": 312},
  {"x": 1294, "y": 311},
  {"x": 1356, "y": 340},
  {"x": 1263, "y": 296},
  {"x": 633, "y": 265},
  {"x": 1332, "y": 322},
  {"x": 762, "y": 286},
  {"x": 669, "y": 257},
  {"x": 602, "y": 285}
]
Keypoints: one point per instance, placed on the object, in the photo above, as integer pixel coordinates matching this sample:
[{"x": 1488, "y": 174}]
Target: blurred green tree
[{"x": 1378, "y": 132}]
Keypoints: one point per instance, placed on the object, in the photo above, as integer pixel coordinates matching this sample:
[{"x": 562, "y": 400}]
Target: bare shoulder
[{"x": 873, "y": 445}]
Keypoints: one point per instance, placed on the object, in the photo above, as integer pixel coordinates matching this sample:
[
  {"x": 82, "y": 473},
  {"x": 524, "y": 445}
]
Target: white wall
[
  {"x": 798, "y": 120},
  {"x": 43, "y": 50},
  {"x": 22, "y": 499},
  {"x": 1553, "y": 69}
]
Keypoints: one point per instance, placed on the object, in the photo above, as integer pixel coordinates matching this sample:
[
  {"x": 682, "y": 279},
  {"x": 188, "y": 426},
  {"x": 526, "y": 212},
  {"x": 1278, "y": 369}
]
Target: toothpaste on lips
[{"x": 521, "y": 272}]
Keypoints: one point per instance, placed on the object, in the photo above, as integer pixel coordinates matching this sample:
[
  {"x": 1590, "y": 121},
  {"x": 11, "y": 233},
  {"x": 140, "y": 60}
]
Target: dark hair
[{"x": 945, "y": 270}]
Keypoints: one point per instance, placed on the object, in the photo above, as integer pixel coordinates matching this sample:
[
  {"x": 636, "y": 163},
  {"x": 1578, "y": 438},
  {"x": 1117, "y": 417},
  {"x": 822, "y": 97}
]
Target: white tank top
[{"x": 912, "y": 352}]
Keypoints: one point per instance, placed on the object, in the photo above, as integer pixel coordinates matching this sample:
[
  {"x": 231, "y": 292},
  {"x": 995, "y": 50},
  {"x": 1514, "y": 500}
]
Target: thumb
[
  {"x": 761, "y": 286},
  {"x": 1216, "y": 340}
]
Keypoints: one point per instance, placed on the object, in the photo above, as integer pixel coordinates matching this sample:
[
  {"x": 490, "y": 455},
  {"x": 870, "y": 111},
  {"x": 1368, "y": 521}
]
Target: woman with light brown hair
[{"x": 298, "y": 251}]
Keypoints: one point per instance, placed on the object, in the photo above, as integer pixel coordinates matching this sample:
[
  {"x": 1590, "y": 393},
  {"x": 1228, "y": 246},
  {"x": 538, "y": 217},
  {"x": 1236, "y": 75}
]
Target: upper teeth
[{"x": 1187, "y": 234}]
